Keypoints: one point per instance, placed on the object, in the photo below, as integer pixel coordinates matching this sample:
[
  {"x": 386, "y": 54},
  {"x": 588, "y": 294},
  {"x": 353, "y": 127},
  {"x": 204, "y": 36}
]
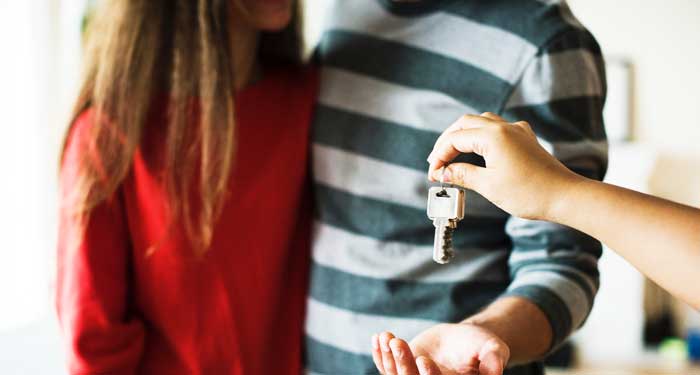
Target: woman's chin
[
  {"x": 273, "y": 23},
  {"x": 269, "y": 15}
]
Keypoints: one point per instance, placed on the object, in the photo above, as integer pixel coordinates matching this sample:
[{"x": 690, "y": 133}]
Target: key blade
[{"x": 442, "y": 247}]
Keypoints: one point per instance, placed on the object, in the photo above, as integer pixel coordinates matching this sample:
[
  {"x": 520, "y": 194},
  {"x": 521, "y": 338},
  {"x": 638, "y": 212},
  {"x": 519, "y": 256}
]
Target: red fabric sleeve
[{"x": 92, "y": 296}]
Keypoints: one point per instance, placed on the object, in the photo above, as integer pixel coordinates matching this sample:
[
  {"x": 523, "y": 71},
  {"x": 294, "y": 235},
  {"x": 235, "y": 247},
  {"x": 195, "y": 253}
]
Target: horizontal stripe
[
  {"x": 323, "y": 359},
  {"x": 391, "y": 222},
  {"x": 352, "y": 331},
  {"x": 368, "y": 177},
  {"x": 420, "y": 69},
  {"x": 448, "y": 302},
  {"x": 575, "y": 39},
  {"x": 368, "y": 136},
  {"x": 574, "y": 297},
  {"x": 569, "y": 120},
  {"x": 530, "y": 235},
  {"x": 544, "y": 254},
  {"x": 557, "y": 76},
  {"x": 554, "y": 308},
  {"x": 486, "y": 48},
  {"x": 582, "y": 154},
  {"x": 529, "y": 19},
  {"x": 417, "y": 108},
  {"x": 365, "y": 256},
  {"x": 587, "y": 279}
]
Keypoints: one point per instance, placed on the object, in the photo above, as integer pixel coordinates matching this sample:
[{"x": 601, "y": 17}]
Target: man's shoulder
[{"x": 537, "y": 21}]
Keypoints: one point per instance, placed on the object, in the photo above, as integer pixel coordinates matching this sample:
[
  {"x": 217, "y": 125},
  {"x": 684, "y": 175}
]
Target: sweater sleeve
[
  {"x": 561, "y": 94},
  {"x": 100, "y": 332}
]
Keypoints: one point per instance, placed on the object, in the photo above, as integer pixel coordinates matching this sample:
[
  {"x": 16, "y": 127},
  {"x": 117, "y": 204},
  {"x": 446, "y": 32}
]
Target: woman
[
  {"x": 183, "y": 243},
  {"x": 658, "y": 237}
]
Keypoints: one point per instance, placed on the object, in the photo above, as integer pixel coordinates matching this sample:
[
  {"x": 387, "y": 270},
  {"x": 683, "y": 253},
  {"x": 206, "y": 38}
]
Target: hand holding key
[{"x": 520, "y": 176}]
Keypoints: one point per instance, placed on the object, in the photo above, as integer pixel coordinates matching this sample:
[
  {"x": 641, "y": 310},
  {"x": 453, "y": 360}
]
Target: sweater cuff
[{"x": 553, "y": 308}]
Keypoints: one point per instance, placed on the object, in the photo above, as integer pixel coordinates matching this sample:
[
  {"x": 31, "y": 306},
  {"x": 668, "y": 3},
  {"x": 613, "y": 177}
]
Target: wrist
[{"x": 563, "y": 196}]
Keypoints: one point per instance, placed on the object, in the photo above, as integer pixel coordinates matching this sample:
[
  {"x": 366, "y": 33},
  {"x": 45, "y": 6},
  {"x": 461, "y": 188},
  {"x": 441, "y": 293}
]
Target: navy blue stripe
[
  {"x": 532, "y": 20},
  {"x": 392, "y": 222},
  {"x": 387, "y": 141},
  {"x": 573, "y": 39},
  {"x": 569, "y": 120},
  {"x": 329, "y": 360},
  {"x": 553, "y": 307},
  {"x": 419, "y": 68},
  {"x": 439, "y": 301},
  {"x": 561, "y": 238}
]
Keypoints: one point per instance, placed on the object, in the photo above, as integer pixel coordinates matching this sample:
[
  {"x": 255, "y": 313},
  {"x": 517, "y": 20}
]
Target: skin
[{"x": 523, "y": 179}]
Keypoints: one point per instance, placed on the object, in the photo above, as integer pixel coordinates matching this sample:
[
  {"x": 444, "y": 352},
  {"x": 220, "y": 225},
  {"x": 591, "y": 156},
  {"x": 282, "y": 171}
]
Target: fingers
[
  {"x": 387, "y": 356},
  {"x": 461, "y": 141},
  {"x": 427, "y": 366},
  {"x": 463, "y": 174},
  {"x": 493, "y": 116},
  {"x": 467, "y": 122},
  {"x": 493, "y": 358},
  {"x": 377, "y": 354},
  {"x": 403, "y": 357}
]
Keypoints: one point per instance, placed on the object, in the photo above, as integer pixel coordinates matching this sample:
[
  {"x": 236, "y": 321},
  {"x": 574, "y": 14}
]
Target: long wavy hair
[{"x": 137, "y": 49}]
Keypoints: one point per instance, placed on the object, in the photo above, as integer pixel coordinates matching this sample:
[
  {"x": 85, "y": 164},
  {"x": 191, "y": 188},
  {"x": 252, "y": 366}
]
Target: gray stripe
[
  {"x": 556, "y": 76},
  {"x": 401, "y": 298},
  {"x": 544, "y": 254},
  {"x": 531, "y": 20},
  {"x": 487, "y": 47},
  {"x": 519, "y": 227},
  {"x": 372, "y": 178},
  {"x": 418, "y": 108},
  {"x": 561, "y": 269},
  {"x": 572, "y": 152},
  {"x": 351, "y": 331},
  {"x": 421, "y": 69},
  {"x": 365, "y": 256},
  {"x": 569, "y": 120},
  {"x": 568, "y": 291},
  {"x": 387, "y": 221}
]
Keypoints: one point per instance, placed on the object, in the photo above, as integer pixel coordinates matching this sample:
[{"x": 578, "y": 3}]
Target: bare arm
[{"x": 659, "y": 237}]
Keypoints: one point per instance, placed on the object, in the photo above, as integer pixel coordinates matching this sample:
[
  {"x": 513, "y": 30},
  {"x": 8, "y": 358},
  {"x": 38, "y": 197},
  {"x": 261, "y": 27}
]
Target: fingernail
[
  {"x": 385, "y": 345},
  {"x": 375, "y": 342},
  {"x": 422, "y": 366},
  {"x": 396, "y": 349},
  {"x": 446, "y": 175}
]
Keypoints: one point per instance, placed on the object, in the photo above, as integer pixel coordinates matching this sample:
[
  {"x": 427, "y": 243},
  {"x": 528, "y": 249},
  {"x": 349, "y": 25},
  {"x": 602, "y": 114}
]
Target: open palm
[{"x": 444, "y": 349}]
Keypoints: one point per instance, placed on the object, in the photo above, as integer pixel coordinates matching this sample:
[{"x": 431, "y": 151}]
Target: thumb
[
  {"x": 465, "y": 175},
  {"x": 493, "y": 358},
  {"x": 427, "y": 367}
]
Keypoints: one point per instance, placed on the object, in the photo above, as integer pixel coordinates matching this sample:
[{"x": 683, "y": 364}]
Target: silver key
[{"x": 445, "y": 209}]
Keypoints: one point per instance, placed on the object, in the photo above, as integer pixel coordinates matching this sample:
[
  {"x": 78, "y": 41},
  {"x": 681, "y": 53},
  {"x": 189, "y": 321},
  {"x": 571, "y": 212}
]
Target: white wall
[{"x": 662, "y": 41}]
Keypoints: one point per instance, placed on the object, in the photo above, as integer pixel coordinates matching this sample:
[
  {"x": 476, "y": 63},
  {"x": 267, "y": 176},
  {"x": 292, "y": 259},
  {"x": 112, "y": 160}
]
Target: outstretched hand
[{"x": 444, "y": 349}]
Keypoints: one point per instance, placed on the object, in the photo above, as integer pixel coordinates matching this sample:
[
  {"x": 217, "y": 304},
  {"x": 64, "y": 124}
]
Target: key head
[{"x": 445, "y": 203}]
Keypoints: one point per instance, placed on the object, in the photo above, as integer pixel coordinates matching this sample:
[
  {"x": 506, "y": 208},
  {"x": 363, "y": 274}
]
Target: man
[{"x": 395, "y": 75}]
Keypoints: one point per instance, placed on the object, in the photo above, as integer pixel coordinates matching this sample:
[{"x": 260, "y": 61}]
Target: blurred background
[{"x": 652, "y": 50}]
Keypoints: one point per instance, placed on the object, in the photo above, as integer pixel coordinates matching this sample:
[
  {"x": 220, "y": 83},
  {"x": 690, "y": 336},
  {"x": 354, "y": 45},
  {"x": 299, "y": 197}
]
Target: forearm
[
  {"x": 521, "y": 324},
  {"x": 659, "y": 237}
]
